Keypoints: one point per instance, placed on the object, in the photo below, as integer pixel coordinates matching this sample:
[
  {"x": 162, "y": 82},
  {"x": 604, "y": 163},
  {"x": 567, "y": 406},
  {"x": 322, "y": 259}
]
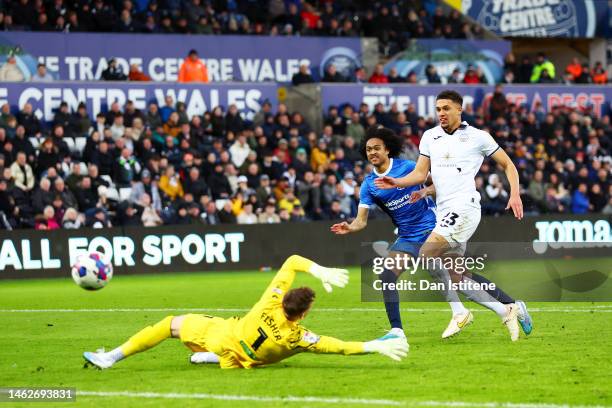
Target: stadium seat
[
  {"x": 108, "y": 179},
  {"x": 70, "y": 142},
  {"x": 112, "y": 194},
  {"x": 220, "y": 203},
  {"x": 124, "y": 193},
  {"x": 35, "y": 142},
  {"x": 79, "y": 144}
]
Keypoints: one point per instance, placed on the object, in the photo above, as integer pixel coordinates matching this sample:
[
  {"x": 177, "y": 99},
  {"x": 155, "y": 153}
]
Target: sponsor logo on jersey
[
  {"x": 310, "y": 337},
  {"x": 398, "y": 202}
]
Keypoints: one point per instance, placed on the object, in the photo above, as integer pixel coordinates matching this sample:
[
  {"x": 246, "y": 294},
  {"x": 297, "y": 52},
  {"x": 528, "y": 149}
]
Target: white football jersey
[{"x": 455, "y": 160}]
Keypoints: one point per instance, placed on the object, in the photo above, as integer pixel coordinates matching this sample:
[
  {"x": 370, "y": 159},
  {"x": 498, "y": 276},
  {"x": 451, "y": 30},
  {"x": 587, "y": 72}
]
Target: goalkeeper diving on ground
[{"x": 269, "y": 333}]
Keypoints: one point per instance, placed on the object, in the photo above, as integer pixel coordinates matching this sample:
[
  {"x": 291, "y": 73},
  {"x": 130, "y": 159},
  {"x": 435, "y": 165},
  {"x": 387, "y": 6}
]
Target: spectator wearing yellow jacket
[
  {"x": 320, "y": 157},
  {"x": 542, "y": 63},
  {"x": 170, "y": 183},
  {"x": 289, "y": 202}
]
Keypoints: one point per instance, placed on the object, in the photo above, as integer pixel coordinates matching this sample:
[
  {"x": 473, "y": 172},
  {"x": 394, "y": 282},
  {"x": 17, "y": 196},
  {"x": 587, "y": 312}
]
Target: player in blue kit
[
  {"x": 415, "y": 221},
  {"x": 414, "y": 215}
]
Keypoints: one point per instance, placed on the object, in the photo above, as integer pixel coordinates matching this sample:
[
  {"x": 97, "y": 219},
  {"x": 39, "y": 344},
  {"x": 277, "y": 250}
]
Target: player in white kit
[{"x": 454, "y": 152}]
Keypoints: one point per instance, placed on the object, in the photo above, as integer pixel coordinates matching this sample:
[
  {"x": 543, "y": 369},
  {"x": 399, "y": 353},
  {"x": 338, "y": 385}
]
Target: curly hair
[
  {"x": 297, "y": 301},
  {"x": 392, "y": 142}
]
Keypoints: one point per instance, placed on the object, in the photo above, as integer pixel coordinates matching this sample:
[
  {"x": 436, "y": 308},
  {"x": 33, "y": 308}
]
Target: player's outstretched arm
[
  {"x": 395, "y": 349},
  {"x": 359, "y": 223},
  {"x": 514, "y": 202},
  {"x": 416, "y": 176}
]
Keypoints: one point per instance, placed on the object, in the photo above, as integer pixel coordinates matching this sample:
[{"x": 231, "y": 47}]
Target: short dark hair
[
  {"x": 392, "y": 142},
  {"x": 297, "y": 301},
  {"x": 451, "y": 95}
]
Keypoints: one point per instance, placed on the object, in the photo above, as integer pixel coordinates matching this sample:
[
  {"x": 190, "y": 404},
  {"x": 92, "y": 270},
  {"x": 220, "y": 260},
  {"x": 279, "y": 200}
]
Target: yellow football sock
[{"x": 148, "y": 337}]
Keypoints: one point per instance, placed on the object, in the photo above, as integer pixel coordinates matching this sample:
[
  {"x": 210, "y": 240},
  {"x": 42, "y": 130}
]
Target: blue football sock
[
  {"x": 391, "y": 298},
  {"x": 497, "y": 293}
]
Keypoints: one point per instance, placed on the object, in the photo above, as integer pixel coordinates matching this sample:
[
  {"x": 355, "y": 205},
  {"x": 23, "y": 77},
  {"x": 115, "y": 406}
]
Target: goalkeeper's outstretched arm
[
  {"x": 395, "y": 349},
  {"x": 285, "y": 276}
]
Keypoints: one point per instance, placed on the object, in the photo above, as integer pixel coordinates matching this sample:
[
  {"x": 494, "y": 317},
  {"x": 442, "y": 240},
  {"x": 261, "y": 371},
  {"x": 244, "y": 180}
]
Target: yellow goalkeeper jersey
[{"x": 264, "y": 335}]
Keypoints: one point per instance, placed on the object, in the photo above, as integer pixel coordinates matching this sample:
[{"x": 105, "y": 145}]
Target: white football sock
[
  {"x": 483, "y": 298},
  {"x": 457, "y": 307},
  {"x": 116, "y": 354},
  {"x": 451, "y": 296},
  {"x": 205, "y": 357},
  {"x": 398, "y": 332}
]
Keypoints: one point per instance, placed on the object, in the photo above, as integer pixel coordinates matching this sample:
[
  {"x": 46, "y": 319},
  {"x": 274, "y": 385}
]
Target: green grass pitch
[{"x": 566, "y": 360}]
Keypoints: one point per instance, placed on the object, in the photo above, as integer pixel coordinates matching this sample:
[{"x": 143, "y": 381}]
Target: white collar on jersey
[
  {"x": 387, "y": 171},
  {"x": 462, "y": 126}
]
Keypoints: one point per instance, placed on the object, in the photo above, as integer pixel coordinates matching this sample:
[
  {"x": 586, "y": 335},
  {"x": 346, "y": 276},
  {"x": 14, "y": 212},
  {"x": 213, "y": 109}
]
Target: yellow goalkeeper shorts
[{"x": 197, "y": 331}]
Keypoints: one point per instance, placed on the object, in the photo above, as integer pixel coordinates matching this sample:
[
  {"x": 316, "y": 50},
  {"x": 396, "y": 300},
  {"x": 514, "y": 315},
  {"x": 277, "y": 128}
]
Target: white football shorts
[{"x": 457, "y": 225}]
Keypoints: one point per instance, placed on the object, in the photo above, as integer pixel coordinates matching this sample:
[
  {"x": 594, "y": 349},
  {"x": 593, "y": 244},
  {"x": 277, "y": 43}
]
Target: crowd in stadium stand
[
  {"x": 543, "y": 71},
  {"x": 193, "y": 69},
  {"x": 393, "y": 24},
  {"x": 160, "y": 166},
  {"x": 540, "y": 71}
]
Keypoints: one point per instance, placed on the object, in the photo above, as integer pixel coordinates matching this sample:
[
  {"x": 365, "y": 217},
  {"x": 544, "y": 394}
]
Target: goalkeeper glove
[
  {"x": 330, "y": 276},
  {"x": 392, "y": 348}
]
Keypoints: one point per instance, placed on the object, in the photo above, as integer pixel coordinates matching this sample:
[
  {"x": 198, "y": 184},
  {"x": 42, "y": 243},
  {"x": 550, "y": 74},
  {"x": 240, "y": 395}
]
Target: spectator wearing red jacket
[
  {"x": 574, "y": 69},
  {"x": 192, "y": 69},
  {"x": 137, "y": 75},
  {"x": 599, "y": 74},
  {"x": 471, "y": 77},
  {"x": 379, "y": 77},
  {"x": 309, "y": 16}
]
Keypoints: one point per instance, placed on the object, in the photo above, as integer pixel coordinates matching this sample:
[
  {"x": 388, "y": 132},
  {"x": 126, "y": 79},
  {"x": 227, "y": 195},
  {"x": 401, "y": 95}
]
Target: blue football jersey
[{"x": 414, "y": 221}]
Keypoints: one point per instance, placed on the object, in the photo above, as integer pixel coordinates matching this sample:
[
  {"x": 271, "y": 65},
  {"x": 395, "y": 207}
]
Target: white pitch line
[
  {"x": 586, "y": 309},
  {"x": 250, "y": 398},
  {"x": 327, "y": 400},
  {"x": 464, "y": 404}
]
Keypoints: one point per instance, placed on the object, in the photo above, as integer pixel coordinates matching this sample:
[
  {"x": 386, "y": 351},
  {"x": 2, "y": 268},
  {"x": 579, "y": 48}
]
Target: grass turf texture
[{"x": 562, "y": 362}]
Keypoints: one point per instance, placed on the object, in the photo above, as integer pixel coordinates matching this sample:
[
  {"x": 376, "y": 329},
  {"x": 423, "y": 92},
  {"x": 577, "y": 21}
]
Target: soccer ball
[{"x": 90, "y": 271}]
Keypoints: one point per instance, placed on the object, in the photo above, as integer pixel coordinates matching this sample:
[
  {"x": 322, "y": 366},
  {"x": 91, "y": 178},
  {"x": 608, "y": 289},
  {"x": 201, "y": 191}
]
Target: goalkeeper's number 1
[{"x": 262, "y": 337}]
